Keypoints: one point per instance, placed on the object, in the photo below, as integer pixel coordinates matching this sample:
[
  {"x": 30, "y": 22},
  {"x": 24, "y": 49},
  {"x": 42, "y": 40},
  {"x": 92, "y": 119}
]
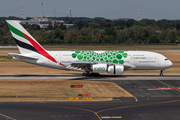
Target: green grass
[{"x": 5, "y": 58}]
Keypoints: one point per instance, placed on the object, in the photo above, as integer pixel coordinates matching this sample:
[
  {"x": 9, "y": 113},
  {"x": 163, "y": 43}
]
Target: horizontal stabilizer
[{"x": 21, "y": 57}]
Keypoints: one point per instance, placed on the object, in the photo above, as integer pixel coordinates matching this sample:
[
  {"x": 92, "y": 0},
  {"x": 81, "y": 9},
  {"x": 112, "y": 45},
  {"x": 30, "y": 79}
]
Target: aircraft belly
[{"x": 149, "y": 67}]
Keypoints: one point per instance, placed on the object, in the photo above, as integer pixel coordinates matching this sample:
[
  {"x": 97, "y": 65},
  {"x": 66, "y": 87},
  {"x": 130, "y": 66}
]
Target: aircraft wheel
[
  {"x": 92, "y": 74},
  {"x": 161, "y": 73},
  {"x": 97, "y": 74},
  {"x": 87, "y": 74}
]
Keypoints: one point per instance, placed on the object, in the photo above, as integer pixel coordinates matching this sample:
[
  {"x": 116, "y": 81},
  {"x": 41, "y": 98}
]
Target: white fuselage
[{"x": 135, "y": 60}]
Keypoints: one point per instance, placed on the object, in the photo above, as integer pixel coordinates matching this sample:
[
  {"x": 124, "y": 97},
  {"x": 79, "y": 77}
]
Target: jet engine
[
  {"x": 112, "y": 69},
  {"x": 99, "y": 68},
  {"x": 116, "y": 69}
]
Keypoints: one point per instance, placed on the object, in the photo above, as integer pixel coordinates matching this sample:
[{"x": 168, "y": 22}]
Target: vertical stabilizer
[{"x": 25, "y": 42}]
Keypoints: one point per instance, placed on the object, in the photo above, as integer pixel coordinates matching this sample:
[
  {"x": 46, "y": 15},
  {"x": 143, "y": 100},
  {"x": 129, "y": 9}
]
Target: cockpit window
[{"x": 166, "y": 59}]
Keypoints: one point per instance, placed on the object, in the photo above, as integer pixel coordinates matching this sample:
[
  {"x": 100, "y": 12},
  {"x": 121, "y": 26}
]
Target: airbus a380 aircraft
[{"x": 90, "y": 62}]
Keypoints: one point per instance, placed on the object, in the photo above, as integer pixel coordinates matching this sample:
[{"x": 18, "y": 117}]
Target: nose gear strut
[{"x": 161, "y": 73}]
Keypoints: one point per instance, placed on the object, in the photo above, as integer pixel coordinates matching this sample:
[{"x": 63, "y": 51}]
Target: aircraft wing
[
  {"x": 21, "y": 57},
  {"x": 81, "y": 65},
  {"x": 129, "y": 67},
  {"x": 84, "y": 65}
]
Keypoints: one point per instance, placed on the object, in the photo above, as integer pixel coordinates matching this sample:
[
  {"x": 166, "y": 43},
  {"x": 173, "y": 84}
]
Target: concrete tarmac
[
  {"x": 155, "y": 97},
  {"x": 102, "y": 77}
]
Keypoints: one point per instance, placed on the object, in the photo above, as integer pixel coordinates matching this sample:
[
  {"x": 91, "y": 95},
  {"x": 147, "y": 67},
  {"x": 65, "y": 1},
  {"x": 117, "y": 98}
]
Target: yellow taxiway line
[{"x": 107, "y": 117}]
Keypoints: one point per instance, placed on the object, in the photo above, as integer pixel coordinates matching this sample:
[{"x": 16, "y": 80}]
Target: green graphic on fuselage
[{"x": 107, "y": 56}]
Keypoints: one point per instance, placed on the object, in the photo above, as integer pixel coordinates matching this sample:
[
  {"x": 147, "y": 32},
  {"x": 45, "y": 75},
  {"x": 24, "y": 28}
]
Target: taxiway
[{"x": 156, "y": 97}]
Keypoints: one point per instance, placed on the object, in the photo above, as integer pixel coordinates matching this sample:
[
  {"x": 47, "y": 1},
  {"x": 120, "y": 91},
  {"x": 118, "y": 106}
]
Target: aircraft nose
[{"x": 170, "y": 64}]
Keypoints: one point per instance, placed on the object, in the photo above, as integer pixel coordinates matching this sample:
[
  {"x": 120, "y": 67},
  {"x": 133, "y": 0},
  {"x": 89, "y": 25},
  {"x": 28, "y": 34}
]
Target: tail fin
[{"x": 25, "y": 42}]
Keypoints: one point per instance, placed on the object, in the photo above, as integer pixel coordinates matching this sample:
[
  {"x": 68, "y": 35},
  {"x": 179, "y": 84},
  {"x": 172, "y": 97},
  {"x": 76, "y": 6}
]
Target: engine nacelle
[
  {"x": 99, "y": 68},
  {"x": 112, "y": 69},
  {"x": 116, "y": 69}
]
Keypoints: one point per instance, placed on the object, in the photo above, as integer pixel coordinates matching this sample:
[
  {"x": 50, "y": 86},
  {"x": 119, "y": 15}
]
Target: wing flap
[{"x": 81, "y": 65}]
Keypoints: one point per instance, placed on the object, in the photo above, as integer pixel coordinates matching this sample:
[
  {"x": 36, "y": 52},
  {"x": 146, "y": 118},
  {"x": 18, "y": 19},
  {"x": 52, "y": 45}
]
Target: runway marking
[
  {"x": 136, "y": 99},
  {"x": 81, "y": 109},
  {"x": 7, "y": 116},
  {"x": 107, "y": 117},
  {"x": 168, "y": 85},
  {"x": 130, "y": 106},
  {"x": 116, "y": 117},
  {"x": 139, "y": 105},
  {"x": 160, "y": 88},
  {"x": 166, "y": 96}
]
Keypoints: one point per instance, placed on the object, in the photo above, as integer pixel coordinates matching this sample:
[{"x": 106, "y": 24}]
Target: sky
[{"x": 110, "y": 9}]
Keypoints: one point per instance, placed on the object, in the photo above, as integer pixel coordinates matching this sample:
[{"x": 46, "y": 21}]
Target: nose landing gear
[{"x": 161, "y": 73}]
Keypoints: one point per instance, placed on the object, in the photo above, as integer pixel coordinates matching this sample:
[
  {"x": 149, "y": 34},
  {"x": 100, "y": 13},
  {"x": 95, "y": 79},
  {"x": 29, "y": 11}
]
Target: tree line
[{"x": 100, "y": 31}]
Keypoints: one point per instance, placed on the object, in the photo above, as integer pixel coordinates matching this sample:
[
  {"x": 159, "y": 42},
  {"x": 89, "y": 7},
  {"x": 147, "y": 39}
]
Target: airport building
[{"x": 44, "y": 22}]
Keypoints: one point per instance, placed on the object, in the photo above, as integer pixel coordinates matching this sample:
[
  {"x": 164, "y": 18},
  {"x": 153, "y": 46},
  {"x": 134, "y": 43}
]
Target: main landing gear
[
  {"x": 90, "y": 74},
  {"x": 86, "y": 74},
  {"x": 161, "y": 73}
]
